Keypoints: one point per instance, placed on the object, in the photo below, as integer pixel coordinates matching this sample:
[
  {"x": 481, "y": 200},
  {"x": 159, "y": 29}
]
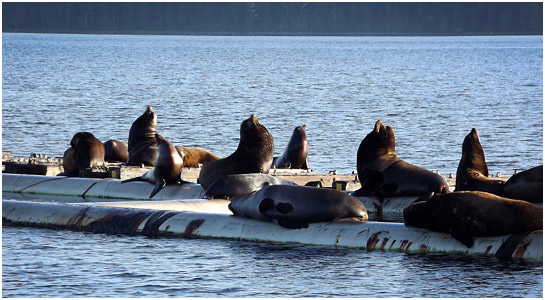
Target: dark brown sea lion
[
  {"x": 471, "y": 214},
  {"x": 294, "y": 206},
  {"x": 526, "y": 185},
  {"x": 472, "y": 173},
  {"x": 235, "y": 185},
  {"x": 168, "y": 167},
  {"x": 253, "y": 155},
  {"x": 115, "y": 151},
  {"x": 86, "y": 151},
  {"x": 195, "y": 155},
  {"x": 295, "y": 154},
  {"x": 383, "y": 174},
  {"x": 142, "y": 143}
]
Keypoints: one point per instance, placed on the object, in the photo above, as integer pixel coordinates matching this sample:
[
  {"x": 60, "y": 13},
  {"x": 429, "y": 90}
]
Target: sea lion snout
[{"x": 378, "y": 126}]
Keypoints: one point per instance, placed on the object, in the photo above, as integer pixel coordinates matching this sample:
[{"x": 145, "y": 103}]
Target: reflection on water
[{"x": 48, "y": 263}]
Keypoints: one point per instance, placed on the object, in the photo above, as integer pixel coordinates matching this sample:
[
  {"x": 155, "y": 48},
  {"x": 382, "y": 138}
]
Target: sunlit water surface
[{"x": 432, "y": 90}]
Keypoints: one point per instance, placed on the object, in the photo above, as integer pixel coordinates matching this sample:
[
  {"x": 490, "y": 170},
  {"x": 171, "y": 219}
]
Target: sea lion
[
  {"x": 526, "y": 185},
  {"x": 115, "y": 151},
  {"x": 469, "y": 214},
  {"x": 383, "y": 174},
  {"x": 142, "y": 143},
  {"x": 86, "y": 151},
  {"x": 295, "y": 154},
  {"x": 242, "y": 184},
  {"x": 253, "y": 155},
  {"x": 195, "y": 155},
  {"x": 168, "y": 167},
  {"x": 293, "y": 206},
  {"x": 472, "y": 172}
]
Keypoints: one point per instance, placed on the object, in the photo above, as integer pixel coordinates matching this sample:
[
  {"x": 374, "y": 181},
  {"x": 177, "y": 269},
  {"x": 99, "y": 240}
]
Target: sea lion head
[
  {"x": 416, "y": 214},
  {"x": 147, "y": 121},
  {"x": 378, "y": 142},
  {"x": 473, "y": 153},
  {"x": 143, "y": 127},
  {"x": 299, "y": 135},
  {"x": 160, "y": 139},
  {"x": 252, "y": 132},
  {"x": 169, "y": 162},
  {"x": 148, "y": 117},
  {"x": 79, "y": 136}
]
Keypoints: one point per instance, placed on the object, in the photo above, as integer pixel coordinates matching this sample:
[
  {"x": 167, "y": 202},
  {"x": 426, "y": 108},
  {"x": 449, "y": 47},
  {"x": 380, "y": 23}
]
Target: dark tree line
[{"x": 458, "y": 18}]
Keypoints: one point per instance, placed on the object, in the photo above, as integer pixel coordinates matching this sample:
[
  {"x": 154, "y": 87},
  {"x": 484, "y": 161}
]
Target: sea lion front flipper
[
  {"x": 371, "y": 182},
  {"x": 158, "y": 186},
  {"x": 291, "y": 224},
  {"x": 462, "y": 237},
  {"x": 305, "y": 165}
]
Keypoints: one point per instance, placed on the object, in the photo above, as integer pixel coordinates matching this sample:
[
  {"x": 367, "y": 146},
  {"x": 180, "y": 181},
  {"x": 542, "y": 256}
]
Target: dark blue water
[
  {"x": 48, "y": 263},
  {"x": 432, "y": 90}
]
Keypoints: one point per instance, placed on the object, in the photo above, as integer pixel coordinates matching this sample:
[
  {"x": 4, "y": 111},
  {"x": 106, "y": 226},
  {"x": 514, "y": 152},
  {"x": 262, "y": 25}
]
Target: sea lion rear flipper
[
  {"x": 133, "y": 179},
  {"x": 462, "y": 237},
  {"x": 158, "y": 186},
  {"x": 292, "y": 224}
]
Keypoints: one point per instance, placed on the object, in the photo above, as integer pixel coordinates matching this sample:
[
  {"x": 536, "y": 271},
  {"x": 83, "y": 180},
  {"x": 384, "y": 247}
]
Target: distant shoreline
[{"x": 287, "y": 34}]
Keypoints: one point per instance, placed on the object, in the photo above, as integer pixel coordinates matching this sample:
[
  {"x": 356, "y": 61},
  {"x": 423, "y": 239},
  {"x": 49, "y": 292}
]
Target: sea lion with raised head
[
  {"x": 235, "y": 185},
  {"x": 254, "y": 154},
  {"x": 115, "y": 151},
  {"x": 471, "y": 214},
  {"x": 168, "y": 167},
  {"x": 383, "y": 174},
  {"x": 292, "y": 206},
  {"x": 85, "y": 151},
  {"x": 295, "y": 154},
  {"x": 526, "y": 185},
  {"x": 472, "y": 172},
  {"x": 194, "y": 156},
  {"x": 142, "y": 144}
]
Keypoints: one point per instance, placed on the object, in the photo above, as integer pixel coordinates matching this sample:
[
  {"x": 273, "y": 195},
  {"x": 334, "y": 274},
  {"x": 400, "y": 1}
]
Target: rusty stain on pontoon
[
  {"x": 521, "y": 249},
  {"x": 193, "y": 225}
]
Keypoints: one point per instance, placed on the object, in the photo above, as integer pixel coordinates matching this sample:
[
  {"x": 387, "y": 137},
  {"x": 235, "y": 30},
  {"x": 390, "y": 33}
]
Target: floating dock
[
  {"x": 105, "y": 205},
  {"x": 108, "y": 189},
  {"x": 370, "y": 236}
]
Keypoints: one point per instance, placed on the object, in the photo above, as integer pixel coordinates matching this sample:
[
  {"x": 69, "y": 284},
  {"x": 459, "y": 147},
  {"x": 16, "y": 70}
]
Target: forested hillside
[{"x": 296, "y": 18}]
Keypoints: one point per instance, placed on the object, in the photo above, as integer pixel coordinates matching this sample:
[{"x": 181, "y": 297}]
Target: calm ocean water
[{"x": 432, "y": 90}]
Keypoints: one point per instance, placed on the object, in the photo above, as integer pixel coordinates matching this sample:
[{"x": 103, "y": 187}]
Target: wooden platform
[{"x": 41, "y": 164}]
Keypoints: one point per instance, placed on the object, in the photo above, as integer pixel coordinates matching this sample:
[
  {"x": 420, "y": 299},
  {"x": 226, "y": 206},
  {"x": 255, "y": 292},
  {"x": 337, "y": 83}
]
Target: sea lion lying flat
[
  {"x": 526, "y": 185},
  {"x": 242, "y": 184},
  {"x": 85, "y": 151},
  {"x": 472, "y": 172},
  {"x": 294, "y": 206},
  {"x": 142, "y": 145},
  {"x": 383, "y": 174},
  {"x": 168, "y": 167},
  {"x": 115, "y": 151},
  {"x": 194, "y": 156},
  {"x": 295, "y": 154},
  {"x": 253, "y": 155},
  {"x": 471, "y": 214}
]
